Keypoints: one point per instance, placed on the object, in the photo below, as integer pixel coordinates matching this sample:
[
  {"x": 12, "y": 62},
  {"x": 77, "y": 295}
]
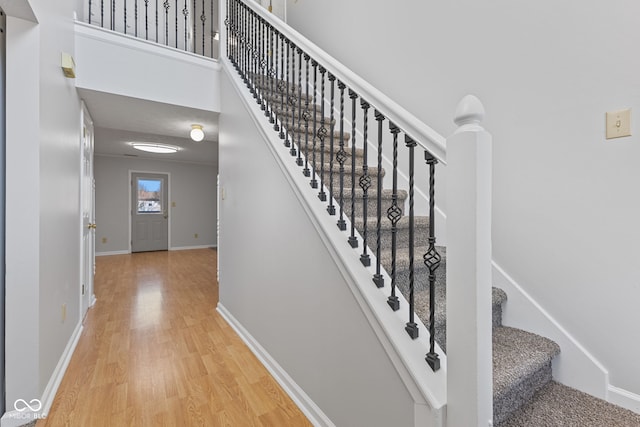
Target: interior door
[
  {"x": 88, "y": 213},
  {"x": 149, "y": 212}
]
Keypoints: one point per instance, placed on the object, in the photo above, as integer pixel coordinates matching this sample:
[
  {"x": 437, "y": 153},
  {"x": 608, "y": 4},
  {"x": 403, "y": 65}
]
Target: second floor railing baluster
[
  {"x": 353, "y": 239},
  {"x": 377, "y": 277}
]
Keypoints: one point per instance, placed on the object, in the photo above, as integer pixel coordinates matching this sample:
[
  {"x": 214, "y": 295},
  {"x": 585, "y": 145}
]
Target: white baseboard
[
  {"x": 300, "y": 398},
  {"x": 624, "y": 398},
  {"x": 575, "y": 366},
  {"x": 186, "y": 248},
  {"x": 41, "y": 408},
  {"x": 112, "y": 253}
]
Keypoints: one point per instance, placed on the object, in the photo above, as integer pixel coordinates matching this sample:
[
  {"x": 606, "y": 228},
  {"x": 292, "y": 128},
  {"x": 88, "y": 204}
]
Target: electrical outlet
[
  {"x": 618, "y": 123},
  {"x": 195, "y": 235},
  {"x": 64, "y": 312},
  {"x": 104, "y": 240}
]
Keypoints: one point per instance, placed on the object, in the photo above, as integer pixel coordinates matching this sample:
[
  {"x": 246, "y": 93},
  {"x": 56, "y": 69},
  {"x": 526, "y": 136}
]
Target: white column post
[{"x": 469, "y": 341}]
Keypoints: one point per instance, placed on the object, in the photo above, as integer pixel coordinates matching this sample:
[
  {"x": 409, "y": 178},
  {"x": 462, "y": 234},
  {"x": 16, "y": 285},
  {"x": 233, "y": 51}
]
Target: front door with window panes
[{"x": 149, "y": 212}]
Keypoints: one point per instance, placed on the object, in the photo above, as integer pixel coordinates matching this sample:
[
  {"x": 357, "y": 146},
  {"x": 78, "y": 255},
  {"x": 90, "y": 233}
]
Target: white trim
[
  {"x": 575, "y": 366},
  {"x": 109, "y": 253},
  {"x": 186, "y": 248},
  {"x": 624, "y": 398},
  {"x": 16, "y": 418},
  {"x": 299, "y": 397}
]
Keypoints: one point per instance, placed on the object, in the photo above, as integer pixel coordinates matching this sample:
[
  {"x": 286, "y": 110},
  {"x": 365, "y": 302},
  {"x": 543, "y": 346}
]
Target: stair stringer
[
  {"x": 575, "y": 366},
  {"x": 427, "y": 390}
]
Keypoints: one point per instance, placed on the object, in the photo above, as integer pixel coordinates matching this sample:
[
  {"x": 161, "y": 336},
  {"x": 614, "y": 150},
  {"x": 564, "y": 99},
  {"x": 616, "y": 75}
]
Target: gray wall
[{"x": 192, "y": 187}]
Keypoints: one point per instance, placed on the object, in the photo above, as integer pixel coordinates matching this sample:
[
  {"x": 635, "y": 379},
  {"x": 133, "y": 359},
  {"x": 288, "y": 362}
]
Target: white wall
[
  {"x": 564, "y": 202},
  {"x": 294, "y": 299},
  {"x": 43, "y": 215},
  {"x": 191, "y": 186}
]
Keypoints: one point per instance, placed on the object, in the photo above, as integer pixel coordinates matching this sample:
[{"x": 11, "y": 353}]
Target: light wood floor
[{"x": 154, "y": 352}]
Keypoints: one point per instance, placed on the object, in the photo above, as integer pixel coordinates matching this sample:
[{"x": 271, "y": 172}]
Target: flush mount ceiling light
[
  {"x": 154, "y": 148},
  {"x": 197, "y": 134}
]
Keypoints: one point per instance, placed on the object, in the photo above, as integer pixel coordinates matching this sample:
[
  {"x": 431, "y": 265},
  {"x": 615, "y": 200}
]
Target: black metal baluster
[
  {"x": 293, "y": 98},
  {"x": 281, "y": 87},
  {"x": 394, "y": 213},
  {"x": 135, "y": 14},
  {"x": 412, "y": 327},
  {"x": 322, "y": 133},
  {"x": 211, "y": 21},
  {"x": 176, "y": 24},
  {"x": 341, "y": 157},
  {"x": 146, "y": 19},
  {"x": 203, "y": 18},
  {"x": 306, "y": 116},
  {"x": 365, "y": 183},
  {"x": 193, "y": 38},
  {"x": 125, "y": 16},
  {"x": 157, "y": 36},
  {"x": 287, "y": 94},
  {"x": 299, "y": 161},
  {"x": 275, "y": 83},
  {"x": 113, "y": 15},
  {"x": 332, "y": 128},
  {"x": 90, "y": 11},
  {"x": 185, "y": 13},
  {"x": 353, "y": 240},
  {"x": 377, "y": 277},
  {"x": 102, "y": 13},
  {"x": 166, "y": 21},
  {"x": 314, "y": 181},
  {"x": 432, "y": 261},
  {"x": 273, "y": 75},
  {"x": 263, "y": 63}
]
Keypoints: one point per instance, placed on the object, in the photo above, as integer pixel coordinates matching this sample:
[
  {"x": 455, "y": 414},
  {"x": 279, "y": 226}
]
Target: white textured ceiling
[{"x": 120, "y": 120}]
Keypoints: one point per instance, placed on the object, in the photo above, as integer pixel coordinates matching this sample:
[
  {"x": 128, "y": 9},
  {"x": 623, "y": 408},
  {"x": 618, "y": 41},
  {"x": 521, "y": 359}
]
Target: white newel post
[{"x": 469, "y": 344}]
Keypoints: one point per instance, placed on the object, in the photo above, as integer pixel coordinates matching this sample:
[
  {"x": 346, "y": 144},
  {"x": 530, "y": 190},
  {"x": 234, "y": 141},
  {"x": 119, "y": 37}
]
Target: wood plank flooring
[{"x": 154, "y": 352}]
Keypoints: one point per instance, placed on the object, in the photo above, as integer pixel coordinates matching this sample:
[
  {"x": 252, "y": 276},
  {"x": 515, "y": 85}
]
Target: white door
[
  {"x": 149, "y": 212},
  {"x": 88, "y": 215}
]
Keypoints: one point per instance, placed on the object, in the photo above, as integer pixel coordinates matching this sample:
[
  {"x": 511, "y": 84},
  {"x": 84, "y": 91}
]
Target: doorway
[
  {"x": 88, "y": 188},
  {"x": 149, "y": 212}
]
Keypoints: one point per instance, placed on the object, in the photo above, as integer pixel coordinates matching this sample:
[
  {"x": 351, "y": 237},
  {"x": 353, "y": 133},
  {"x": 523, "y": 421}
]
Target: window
[{"x": 150, "y": 195}]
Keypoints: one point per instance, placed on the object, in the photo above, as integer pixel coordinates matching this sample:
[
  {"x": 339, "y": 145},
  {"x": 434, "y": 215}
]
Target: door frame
[
  {"x": 130, "y": 185},
  {"x": 88, "y": 299}
]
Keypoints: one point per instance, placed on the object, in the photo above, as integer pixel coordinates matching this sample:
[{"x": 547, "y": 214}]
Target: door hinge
[{"x": 83, "y": 289}]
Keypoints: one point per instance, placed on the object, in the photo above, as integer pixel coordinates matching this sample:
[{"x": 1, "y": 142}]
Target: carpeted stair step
[
  {"x": 521, "y": 367},
  {"x": 308, "y": 145},
  {"x": 421, "y": 231},
  {"x": 326, "y": 175},
  {"x": 300, "y": 129},
  {"x": 558, "y": 405},
  {"x": 286, "y": 115},
  {"x": 372, "y": 201}
]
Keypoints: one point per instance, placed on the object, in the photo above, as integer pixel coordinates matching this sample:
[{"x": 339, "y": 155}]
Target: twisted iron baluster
[
  {"x": 322, "y": 133},
  {"x": 286, "y": 95},
  {"x": 203, "y": 18},
  {"x": 263, "y": 64},
  {"x": 314, "y": 181},
  {"x": 135, "y": 14},
  {"x": 185, "y": 13},
  {"x": 412, "y": 327},
  {"x": 306, "y": 116},
  {"x": 125, "y": 16},
  {"x": 273, "y": 73},
  {"x": 102, "y": 13},
  {"x": 113, "y": 15},
  {"x": 176, "y": 22},
  {"x": 365, "y": 183},
  {"x": 377, "y": 277},
  {"x": 353, "y": 240},
  {"x": 166, "y": 21},
  {"x": 90, "y": 4},
  {"x": 394, "y": 213},
  {"x": 432, "y": 261},
  {"x": 299, "y": 161},
  {"x": 146, "y": 19},
  {"x": 281, "y": 87},
  {"x": 157, "y": 36},
  {"x": 292, "y": 99},
  {"x": 331, "y": 208},
  {"x": 341, "y": 157}
]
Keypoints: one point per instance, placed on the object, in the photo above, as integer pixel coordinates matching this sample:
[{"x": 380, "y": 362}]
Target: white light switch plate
[{"x": 618, "y": 123}]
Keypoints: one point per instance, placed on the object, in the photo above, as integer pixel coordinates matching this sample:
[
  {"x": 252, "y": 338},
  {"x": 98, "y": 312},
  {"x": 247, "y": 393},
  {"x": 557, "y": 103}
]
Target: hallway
[{"x": 154, "y": 352}]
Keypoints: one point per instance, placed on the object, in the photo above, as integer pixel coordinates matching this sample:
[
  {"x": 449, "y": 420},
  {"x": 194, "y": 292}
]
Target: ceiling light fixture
[
  {"x": 197, "y": 134},
  {"x": 154, "y": 148}
]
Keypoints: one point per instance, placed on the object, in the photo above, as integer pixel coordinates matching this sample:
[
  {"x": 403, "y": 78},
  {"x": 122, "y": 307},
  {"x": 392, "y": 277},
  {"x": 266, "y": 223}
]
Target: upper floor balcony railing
[{"x": 189, "y": 25}]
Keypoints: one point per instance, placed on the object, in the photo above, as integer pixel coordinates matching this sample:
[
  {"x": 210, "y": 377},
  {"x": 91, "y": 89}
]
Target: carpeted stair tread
[
  {"x": 521, "y": 366},
  {"x": 558, "y": 405}
]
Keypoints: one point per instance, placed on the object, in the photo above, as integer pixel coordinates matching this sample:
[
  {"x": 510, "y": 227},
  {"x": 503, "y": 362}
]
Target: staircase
[{"x": 522, "y": 361}]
